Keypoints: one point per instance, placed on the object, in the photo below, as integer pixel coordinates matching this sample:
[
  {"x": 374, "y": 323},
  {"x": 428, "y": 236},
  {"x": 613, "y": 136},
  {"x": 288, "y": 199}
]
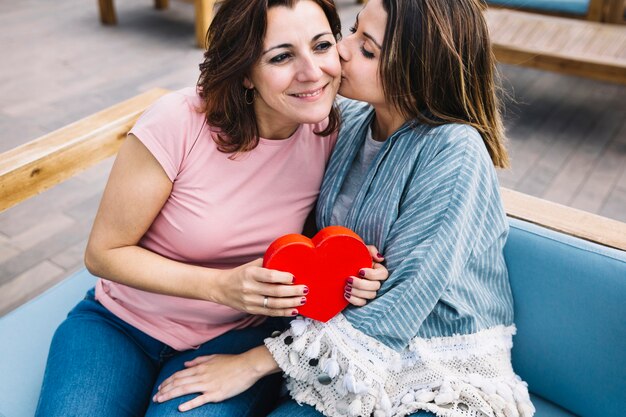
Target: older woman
[{"x": 207, "y": 178}]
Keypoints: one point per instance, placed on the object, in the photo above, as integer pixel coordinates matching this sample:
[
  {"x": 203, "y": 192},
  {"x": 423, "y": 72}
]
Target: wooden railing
[
  {"x": 38, "y": 165},
  {"x": 31, "y": 168}
]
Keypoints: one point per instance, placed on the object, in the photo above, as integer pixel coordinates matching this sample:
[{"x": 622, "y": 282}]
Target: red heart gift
[{"x": 323, "y": 264}]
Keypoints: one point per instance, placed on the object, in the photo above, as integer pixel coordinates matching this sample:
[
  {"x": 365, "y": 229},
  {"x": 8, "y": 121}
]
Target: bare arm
[
  {"x": 220, "y": 377},
  {"x": 135, "y": 193}
]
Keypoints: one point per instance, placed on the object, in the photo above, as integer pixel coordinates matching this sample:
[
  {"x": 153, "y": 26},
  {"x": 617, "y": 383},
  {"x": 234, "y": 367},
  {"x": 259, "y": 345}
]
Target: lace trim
[{"x": 343, "y": 372}]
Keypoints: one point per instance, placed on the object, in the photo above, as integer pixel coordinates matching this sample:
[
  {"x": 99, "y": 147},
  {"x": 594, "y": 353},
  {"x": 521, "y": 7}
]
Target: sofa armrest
[
  {"x": 570, "y": 315},
  {"x": 26, "y": 333},
  {"x": 567, "y": 220}
]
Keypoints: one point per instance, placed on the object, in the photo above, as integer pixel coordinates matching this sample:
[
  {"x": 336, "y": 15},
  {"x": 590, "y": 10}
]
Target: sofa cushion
[
  {"x": 26, "y": 334},
  {"x": 570, "y": 312},
  {"x": 575, "y": 7},
  {"x": 547, "y": 409}
]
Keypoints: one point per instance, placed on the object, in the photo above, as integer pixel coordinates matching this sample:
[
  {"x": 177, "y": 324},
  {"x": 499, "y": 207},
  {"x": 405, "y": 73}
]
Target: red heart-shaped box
[{"x": 323, "y": 263}]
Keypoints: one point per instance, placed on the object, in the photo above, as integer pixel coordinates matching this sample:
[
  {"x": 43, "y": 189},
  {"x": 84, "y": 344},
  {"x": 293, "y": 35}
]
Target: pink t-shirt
[{"x": 221, "y": 213}]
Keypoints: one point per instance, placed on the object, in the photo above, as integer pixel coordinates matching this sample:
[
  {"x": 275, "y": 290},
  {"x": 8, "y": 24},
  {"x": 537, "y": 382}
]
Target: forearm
[
  {"x": 262, "y": 362},
  {"x": 140, "y": 268}
]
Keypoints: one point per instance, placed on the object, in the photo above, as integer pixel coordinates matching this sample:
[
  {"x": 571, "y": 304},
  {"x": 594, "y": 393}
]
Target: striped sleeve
[{"x": 439, "y": 220}]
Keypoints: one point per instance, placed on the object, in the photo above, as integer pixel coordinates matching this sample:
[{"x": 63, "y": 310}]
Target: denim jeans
[
  {"x": 290, "y": 408},
  {"x": 100, "y": 366}
]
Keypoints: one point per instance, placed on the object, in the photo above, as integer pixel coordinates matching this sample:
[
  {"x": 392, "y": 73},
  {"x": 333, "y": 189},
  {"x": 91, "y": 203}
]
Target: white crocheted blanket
[{"x": 343, "y": 372}]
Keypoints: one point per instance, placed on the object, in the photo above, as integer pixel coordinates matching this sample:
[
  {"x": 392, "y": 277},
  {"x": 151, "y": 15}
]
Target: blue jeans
[
  {"x": 290, "y": 408},
  {"x": 99, "y": 365}
]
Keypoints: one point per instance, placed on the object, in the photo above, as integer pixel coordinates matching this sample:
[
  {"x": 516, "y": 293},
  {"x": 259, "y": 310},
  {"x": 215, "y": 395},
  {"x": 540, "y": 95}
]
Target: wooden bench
[
  {"x": 543, "y": 302},
  {"x": 573, "y": 47},
  {"x": 611, "y": 11},
  {"x": 203, "y": 11}
]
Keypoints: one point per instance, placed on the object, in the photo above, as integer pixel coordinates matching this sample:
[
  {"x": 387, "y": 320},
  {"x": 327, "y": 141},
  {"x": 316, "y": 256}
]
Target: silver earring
[{"x": 249, "y": 95}]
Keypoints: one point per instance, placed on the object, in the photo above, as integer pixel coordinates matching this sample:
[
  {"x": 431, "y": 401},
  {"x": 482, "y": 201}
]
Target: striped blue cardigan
[{"x": 431, "y": 204}]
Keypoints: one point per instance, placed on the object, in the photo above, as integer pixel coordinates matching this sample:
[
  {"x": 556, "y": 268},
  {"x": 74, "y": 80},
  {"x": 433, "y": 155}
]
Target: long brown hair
[
  {"x": 437, "y": 66},
  {"x": 235, "y": 40}
]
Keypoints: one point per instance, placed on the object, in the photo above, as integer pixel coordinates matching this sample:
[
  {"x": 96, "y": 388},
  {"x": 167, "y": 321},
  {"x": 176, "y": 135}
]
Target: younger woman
[{"x": 413, "y": 172}]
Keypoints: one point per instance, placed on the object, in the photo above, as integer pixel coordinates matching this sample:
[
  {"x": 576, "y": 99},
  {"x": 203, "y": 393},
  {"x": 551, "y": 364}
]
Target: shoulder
[
  {"x": 457, "y": 141},
  {"x": 181, "y": 100},
  {"x": 174, "y": 117},
  {"x": 170, "y": 127},
  {"x": 352, "y": 109},
  {"x": 176, "y": 106}
]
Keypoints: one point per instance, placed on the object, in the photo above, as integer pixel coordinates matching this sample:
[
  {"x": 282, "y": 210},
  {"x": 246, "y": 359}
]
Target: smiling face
[
  {"x": 360, "y": 56},
  {"x": 297, "y": 77}
]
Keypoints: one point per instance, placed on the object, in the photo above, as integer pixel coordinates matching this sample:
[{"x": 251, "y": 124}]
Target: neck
[
  {"x": 386, "y": 122},
  {"x": 274, "y": 128}
]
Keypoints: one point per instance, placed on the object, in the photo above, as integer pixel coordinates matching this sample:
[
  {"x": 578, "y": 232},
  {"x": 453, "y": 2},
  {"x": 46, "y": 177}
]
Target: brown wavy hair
[
  {"x": 235, "y": 40},
  {"x": 437, "y": 66}
]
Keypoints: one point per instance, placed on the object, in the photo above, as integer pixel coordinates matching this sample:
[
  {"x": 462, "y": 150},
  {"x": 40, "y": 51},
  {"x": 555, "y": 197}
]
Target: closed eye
[{"x": 367, "y": 54}]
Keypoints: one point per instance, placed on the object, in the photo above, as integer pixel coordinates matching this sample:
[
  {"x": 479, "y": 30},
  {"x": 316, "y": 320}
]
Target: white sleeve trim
[{"x": 343, "y": 372}]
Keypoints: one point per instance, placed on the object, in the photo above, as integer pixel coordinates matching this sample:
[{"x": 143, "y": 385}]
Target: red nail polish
[
  {"x": 305, "y": 291},
  {"x": 379, "y": 255},
  {"x": 361, "y": 273},
  {"x": 303, "y": 300},
  {"x": 346, "y": 296},
  {"x": 293, "y": 279},
  {"x": 350, "y": 280},
  {"x": 348, "y": 289},
  {"x": 294, "y": 313}
]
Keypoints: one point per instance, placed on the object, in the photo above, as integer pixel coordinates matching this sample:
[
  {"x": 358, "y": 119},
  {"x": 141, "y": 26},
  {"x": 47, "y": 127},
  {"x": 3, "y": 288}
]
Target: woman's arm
[
  {"x": 135, "y": 193},
  {"x": 220, "y": 377}
]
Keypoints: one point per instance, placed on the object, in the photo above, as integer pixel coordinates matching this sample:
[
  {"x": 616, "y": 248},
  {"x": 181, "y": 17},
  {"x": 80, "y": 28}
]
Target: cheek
[
  {"x": 363, "y": 79},
  {"x": 273, "y": 83},
  {"x": 333, "y": 65}
]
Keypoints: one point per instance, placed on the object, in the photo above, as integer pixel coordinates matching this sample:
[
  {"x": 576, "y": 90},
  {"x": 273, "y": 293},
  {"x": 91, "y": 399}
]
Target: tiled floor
[{"x": 567, "y": 135}]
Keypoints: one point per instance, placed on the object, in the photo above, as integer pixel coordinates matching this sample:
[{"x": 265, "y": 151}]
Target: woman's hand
[
  {"x": 217, "y": 377},
  {"x": 257, "y": 290},
  {"x": 364, "y": 287}
]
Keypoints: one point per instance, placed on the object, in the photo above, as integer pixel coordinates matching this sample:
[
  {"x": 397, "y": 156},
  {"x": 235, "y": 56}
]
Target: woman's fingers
[
  {"x": 376, "y": 256},
  {"x": 282, "y": 291},
  {"x": 272, "y": 296},
  {"x": 355, "y": 301},
  {"x": 274, "y": 312},
  {"x": 363, "y": 284},
  {"x": 275, "y": 303},
  {"x": 358, "y": 290},
  {"x": 270, "y": 276},
  {"x": 367, "y": 295},
  {"x": 377, "y": 273},
  {"x": 198, "y": 360},
  {"x": 179, "y": 386},
  {"x": 185, "y": 373},
  {"x": 196, "y": 402}
]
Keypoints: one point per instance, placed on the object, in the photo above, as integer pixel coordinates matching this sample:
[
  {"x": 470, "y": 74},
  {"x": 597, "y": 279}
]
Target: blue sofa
[{"x": 570, "y": 306}]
